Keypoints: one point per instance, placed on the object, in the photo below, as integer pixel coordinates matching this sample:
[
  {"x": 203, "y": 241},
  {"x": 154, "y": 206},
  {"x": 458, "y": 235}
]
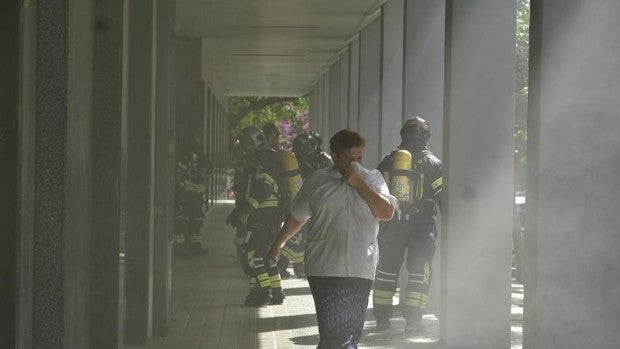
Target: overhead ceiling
[{"x": 271, "y": 47}]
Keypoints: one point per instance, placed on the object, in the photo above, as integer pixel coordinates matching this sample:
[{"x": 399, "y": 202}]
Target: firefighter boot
[
  {"x": 257, "y": 298},
  {"x": 383, "y": 325},
  {"x": 182, "y": 251},
  {"x": 414, "y": 325},
  {"x": 277, "y": 296},
  {"x": 198, "y": 249},
  {"x": 282, "y": 268},
  {"x": 299, "y": 269}
]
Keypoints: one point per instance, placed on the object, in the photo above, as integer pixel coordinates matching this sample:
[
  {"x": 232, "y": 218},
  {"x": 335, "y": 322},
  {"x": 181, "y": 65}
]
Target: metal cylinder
[
  {"x": 291, "y": 168},
  {"x": 400, "y": 186}
]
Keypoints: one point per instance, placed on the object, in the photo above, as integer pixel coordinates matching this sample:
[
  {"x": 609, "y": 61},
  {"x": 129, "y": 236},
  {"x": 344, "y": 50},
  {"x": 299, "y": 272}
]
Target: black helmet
[
  {"x": 319, "y": 140},
  {"x": 253, "y": 135},
  {"x": 271, "y": 129},
  {"x": 415, "y": 132},
  {"x": 305, "y": 144}
]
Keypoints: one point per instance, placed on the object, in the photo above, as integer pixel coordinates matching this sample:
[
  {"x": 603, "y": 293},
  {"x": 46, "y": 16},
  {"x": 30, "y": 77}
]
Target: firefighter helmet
[
  {"x": 270, "y": 128},
  {"x": 305, "y": 144},
  {"x": 251, "y": 137},
  {"x": 415, "y": 131}
]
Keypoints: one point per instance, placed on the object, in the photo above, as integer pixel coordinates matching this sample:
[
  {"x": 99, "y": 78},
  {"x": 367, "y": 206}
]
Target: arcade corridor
[{"x": 97, "y": 96}]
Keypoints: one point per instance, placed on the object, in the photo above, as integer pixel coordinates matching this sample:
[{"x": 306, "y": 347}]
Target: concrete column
[
  {"x": 140, "y": 152},
  {"x": 478, "y": 172},
  {"x": 190, "y": 91},
  {"x": 207, "y": 128},
  {"x": 224, "y": 140},
  {"x": 393, "y": 22},
  {"x": 217, "y": 152},
  {"x": 9, "y": 145},
  {"x": 335, "y": 91},
  {"x": 313, "y": 104},
  {"x": 338, "y": 101},
  {"x": 323, "y": 125},
  {"x": 370, "y": 92},
  {"x": 26, "y": 170},
  {"x": 207, "y": 118},
  {"x": 320, "y": 108},
  {"x": 165, "y": 166},
  {"x": 424, "y": 65},
  {"x": 79, "y": 185},
  {"x": 573, "y": 158},
  {"x": 44, "y": 113},
  {"x": 105, "y": 302},
  {"x": 62, "y": 175},
  {"x": 56, "y": 174},
  {"x": 70, "y": 151},
  {"x": 423, "y": 83},
  {"x": 354, "y": 83},
  {"x": 343, "y": 114},
  {"x": 320, "y": 102},
  {"x": 209, "y": 131}
]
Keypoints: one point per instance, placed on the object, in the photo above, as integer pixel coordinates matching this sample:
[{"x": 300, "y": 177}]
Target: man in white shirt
[{"x": 343, "y": 205}]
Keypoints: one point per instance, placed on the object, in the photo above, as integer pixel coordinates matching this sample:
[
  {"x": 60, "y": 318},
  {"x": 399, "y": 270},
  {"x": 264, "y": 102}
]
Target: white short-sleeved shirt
[{"x": 342, "y": 231}]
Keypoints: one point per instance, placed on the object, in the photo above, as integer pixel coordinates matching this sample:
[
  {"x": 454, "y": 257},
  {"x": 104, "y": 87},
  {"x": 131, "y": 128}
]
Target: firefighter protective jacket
[{"x": 266, "y": 185}]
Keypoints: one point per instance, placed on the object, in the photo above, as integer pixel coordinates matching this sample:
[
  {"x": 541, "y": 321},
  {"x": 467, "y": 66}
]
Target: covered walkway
[
  {"x": 97, "y": 97},
  {"x": 208, "y": 310}
]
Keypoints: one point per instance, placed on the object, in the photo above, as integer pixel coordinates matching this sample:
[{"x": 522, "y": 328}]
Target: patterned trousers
[{"x": 341, "y": 304}]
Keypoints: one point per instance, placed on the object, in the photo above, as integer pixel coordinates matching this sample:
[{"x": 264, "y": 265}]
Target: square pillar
[
  {"x": 573, "y": 194},
  {"x": 139, "y": 151},
  {"x": 370, "y": 92},
  {"x": 354, "y": 83},
  {"x": 69, "y": 198},
  {"x": 105, "y": 294},
  {"x": 165, "y": 165},
  {"x": 479, "y": 173},
  {"x": 9, "y": 145},
  {"x": 392, "y": 74},
  {"x": 335, "y": 90},
  {"x": 191, "y": 101},
  {"x": 424, "y": 65}
]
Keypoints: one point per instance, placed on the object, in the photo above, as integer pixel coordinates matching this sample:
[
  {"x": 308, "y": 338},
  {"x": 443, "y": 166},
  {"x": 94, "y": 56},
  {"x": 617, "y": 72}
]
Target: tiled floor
[{"x": 208, "y": 306}]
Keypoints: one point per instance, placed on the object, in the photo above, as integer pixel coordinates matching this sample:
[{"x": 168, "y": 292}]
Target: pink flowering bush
[{"x": 290, "y": 127}]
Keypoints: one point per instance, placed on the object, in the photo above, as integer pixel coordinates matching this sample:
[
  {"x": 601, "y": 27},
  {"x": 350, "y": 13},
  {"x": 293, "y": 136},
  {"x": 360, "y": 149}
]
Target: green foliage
[
  {"x": 522, "y": 52},
  {"x": 289, "y": 114}
]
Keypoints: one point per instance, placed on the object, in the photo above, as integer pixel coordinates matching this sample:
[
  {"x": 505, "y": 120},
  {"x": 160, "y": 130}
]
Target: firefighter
[
  {"x": 414, "y": 176},
  {"x": 191, "y": 177},
  {"x": 262, "y": 212},
  {"x": 307, "y": 149},
  {"x": 240, "y": 186},
  {"x": 272, "y": 135}
]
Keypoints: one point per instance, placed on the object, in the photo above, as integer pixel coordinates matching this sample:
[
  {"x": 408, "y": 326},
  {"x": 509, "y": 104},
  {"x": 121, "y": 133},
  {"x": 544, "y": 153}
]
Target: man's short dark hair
[{"x": 345, "y": 139}]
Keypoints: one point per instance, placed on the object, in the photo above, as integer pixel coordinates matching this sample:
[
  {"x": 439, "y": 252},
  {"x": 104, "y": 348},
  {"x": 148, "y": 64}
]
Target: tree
[
  {"x": 522, "y": 52},
  {"x": 290, "y": 114}
]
